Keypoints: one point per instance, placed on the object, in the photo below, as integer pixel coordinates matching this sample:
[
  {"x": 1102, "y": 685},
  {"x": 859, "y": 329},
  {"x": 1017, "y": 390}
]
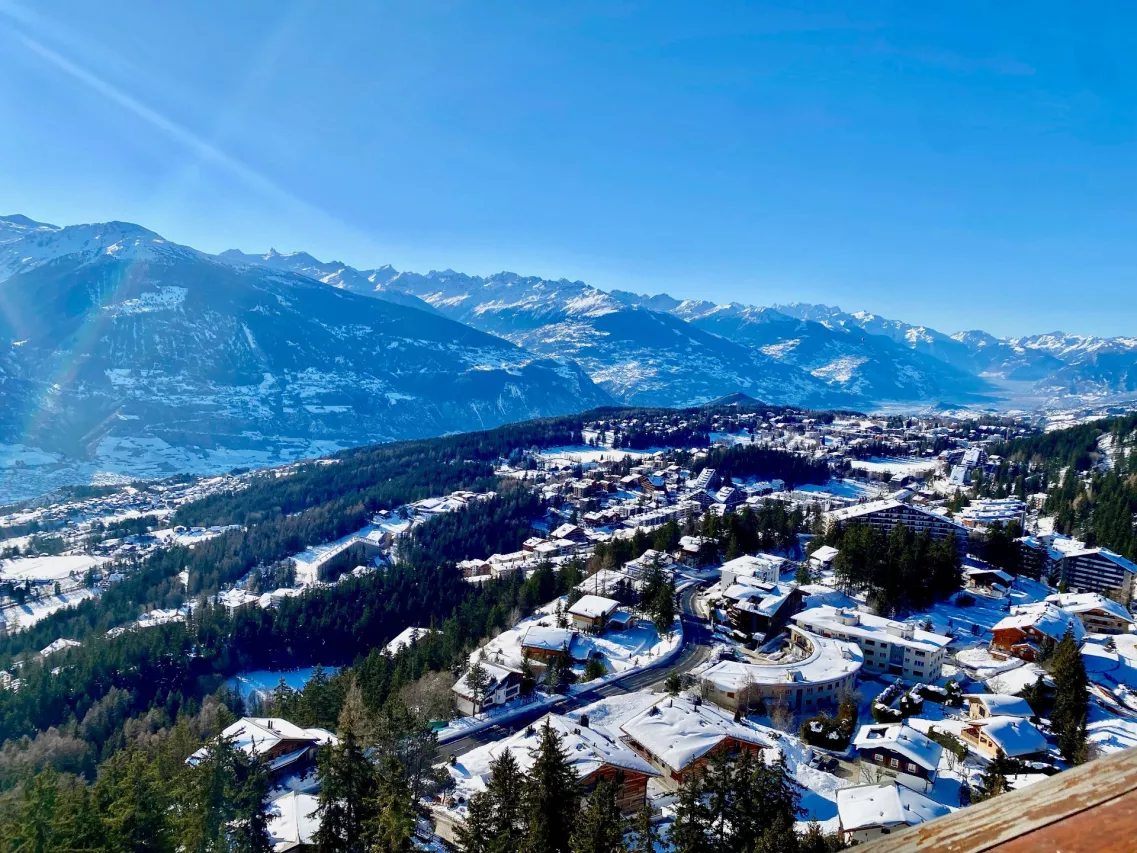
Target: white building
[
  {"x": 504, "y": 686},
  {"x": 870, "y": 811},
  {"x": 762, "y": 567},
  {"x": 893, "y": 648},
  {"x": 811, "y": 672}
]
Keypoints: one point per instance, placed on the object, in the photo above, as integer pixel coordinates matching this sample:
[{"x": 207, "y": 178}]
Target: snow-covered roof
[
  {"x": 855, "y": 511},
  {"x": 497, "y": 675},
  {"x": 588, "y": 749},
  {"x": 1044, "y": 618},
  {"x": 57, "y": 646},
  {"x": 260, "y": 735},
  {"x": 824, "y": 554},
  {"x": 1007, "y": 579},
  {"x": 1002, "y": 704},
  {"x": 677, "y": 731},
  {"x": 1014, "y": 735},
  {"x": 292, "y": 821},
  {"x": 1083, "y": 602},
  {"x": 766, "y": 566},
  {"x": 905, "y": 740},
  {"x": 549, "y": 638},
  {"x": 593, "y": 606},
  {"x": 827, "y": 660},
  {"x": 765, "y": 598},
  {"x": 866, "y": 806},
  {"x": 1018, "y": 679},
  {"x": 1112, "y": 556},
  {"x": 831, "y": 619},
  {"x": 404, "y": 639}
]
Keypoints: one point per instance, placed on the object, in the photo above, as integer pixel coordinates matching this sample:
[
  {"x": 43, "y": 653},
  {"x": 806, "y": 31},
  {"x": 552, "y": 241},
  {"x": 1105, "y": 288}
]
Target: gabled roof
[
  {"x": 905, "y": 740},
  {"x": 677, "y": 731},
  {"x": 593, "y": 606},
  {"x": 550, "y": 639},
  {"x": 1044, "y": 618},
  {"x": 292, "y": 821},
  {"x": 1084, "y": 602},
  {"x": 1014, "y": 735},
  {"x": 588, "y": 749},
  {"x": 497, "y": 675},
  {"x": 260, "y": 735},
  {"x": 867, "y": 806},
  {"x": 1000, "y": 704}
]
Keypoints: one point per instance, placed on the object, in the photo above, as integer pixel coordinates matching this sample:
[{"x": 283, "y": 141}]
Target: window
[
  {"x": 894, "y": 762},
  {"x": 912, "y": 768},
  {"x": 878, "y": 757},
  {"x": 919, "y": 654}
]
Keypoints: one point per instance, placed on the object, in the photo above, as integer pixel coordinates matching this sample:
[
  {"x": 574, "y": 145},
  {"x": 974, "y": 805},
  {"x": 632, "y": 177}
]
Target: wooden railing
[{"x": 1090, "y": 809}]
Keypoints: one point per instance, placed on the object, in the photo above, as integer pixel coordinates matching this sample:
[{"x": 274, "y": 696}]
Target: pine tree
[
  {"x": 599, "y": 827},
  {"x": 645, "y": 836},
  {"x": 478, "y": 680},
  {"x": 506, "y": 788},
  {"x": 551, "y": 797},
  {"x": 690, "y": 831},
  {"x": 249, "y": 825},
  {"x": 348, "y": 787},
  {"x": 1071, "y": 700},
  {"x": 476, "y": 832},
  {"x": 391, "y": 824}
]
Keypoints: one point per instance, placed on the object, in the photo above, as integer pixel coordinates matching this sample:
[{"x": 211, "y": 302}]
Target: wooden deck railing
[{"x": 1090, "y": 809}]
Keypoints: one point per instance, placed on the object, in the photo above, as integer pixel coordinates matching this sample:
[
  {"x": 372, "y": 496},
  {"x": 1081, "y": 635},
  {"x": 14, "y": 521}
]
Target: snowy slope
[{"x": 113, "y": 338}]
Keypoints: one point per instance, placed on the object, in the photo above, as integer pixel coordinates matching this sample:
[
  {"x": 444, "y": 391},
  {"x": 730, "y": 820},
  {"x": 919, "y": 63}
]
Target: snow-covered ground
[
  {"x": 897, "y": 466},
  {"x": 847, "y": 488},
  {"x": 46, "y": 568},
  {"x": 618, "y": 651},
  {"x": 16, "y": 618}
]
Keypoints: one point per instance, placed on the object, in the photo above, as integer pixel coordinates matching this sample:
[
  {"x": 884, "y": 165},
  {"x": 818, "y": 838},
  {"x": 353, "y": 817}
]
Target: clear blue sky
[{"x": 959, "y": 164}]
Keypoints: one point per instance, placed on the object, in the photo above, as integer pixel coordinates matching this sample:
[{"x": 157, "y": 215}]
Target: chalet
[
  {"x": 1021, "y": 633},
  {"x": 542, "y": 644},
  {"x": 980, "y": 706},
  {"x": 1004, "y": 737},
  {"x": 594, "y": 754},
  {"x": 823, "y": 557},
  {"x": 1098, "y": 614},
  {"x": 282, "y": 747},
  {"x": 503, "y": 687},
  {"x": 988, "y": 580},
  {"x": 758, "y": 609},
  {"x": 693, "y": 550},
  {"x": 571, "y": 532},
  {"x": 866, "y": 812},
  {"x": 898, "y": 751},
  {"x": 474, "y": 568},
  {"x": 593, "y": 613},
  {"x": 678, "y": 736}
]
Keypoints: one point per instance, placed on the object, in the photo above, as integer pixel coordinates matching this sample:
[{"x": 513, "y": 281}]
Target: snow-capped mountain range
[{"x": 125, "y": 352}]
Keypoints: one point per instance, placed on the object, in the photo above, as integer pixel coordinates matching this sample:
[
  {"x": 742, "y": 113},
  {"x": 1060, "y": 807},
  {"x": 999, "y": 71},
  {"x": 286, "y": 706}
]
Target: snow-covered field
[
  {"x": 844, "y": 488},
  {"x": 17, "y": 618},
  {"x": 897, "y": 466},
  {"x": 46, "y": 568}
]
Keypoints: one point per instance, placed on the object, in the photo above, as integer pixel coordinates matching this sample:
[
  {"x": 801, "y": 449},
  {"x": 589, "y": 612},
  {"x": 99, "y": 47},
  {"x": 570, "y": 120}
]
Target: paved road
[{"x": 695, "y": 649}]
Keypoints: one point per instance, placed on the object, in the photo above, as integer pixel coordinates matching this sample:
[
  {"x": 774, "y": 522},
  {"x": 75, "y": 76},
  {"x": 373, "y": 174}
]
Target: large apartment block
[
  {"x": 886, "y": 514},
  {"x": 893, "y": 648},
  {"x": 1082, "y": 569}
]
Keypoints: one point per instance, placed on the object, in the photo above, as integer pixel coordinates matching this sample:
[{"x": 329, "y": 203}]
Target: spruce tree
[
  {"x": 645, "y": 835},
  {"x": 476, "y": 832},
  {"x": 551, "y": 797},
  {"x": 690, "y": 831},
  {"x": 391, "y": 824},
  {"x": 1071, "y": 700},
  {"x": 506, "y": 788},
  {"x": 348, "y": 787},
  {"x": 599, "y": 827}
]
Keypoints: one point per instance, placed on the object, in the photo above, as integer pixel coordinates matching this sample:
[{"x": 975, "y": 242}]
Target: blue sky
[{"x": 957, "y": 164}]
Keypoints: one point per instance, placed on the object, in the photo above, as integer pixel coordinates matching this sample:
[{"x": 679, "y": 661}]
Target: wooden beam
[{"x": 1090, "y": 808}]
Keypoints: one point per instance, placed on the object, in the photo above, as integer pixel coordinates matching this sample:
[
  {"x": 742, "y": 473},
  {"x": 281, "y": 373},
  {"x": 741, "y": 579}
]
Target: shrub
[{"x": 828, "y": 733}]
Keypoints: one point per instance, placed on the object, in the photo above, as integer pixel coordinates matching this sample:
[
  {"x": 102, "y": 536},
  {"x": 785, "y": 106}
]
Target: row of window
[{"x": 894, "y": 763}]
